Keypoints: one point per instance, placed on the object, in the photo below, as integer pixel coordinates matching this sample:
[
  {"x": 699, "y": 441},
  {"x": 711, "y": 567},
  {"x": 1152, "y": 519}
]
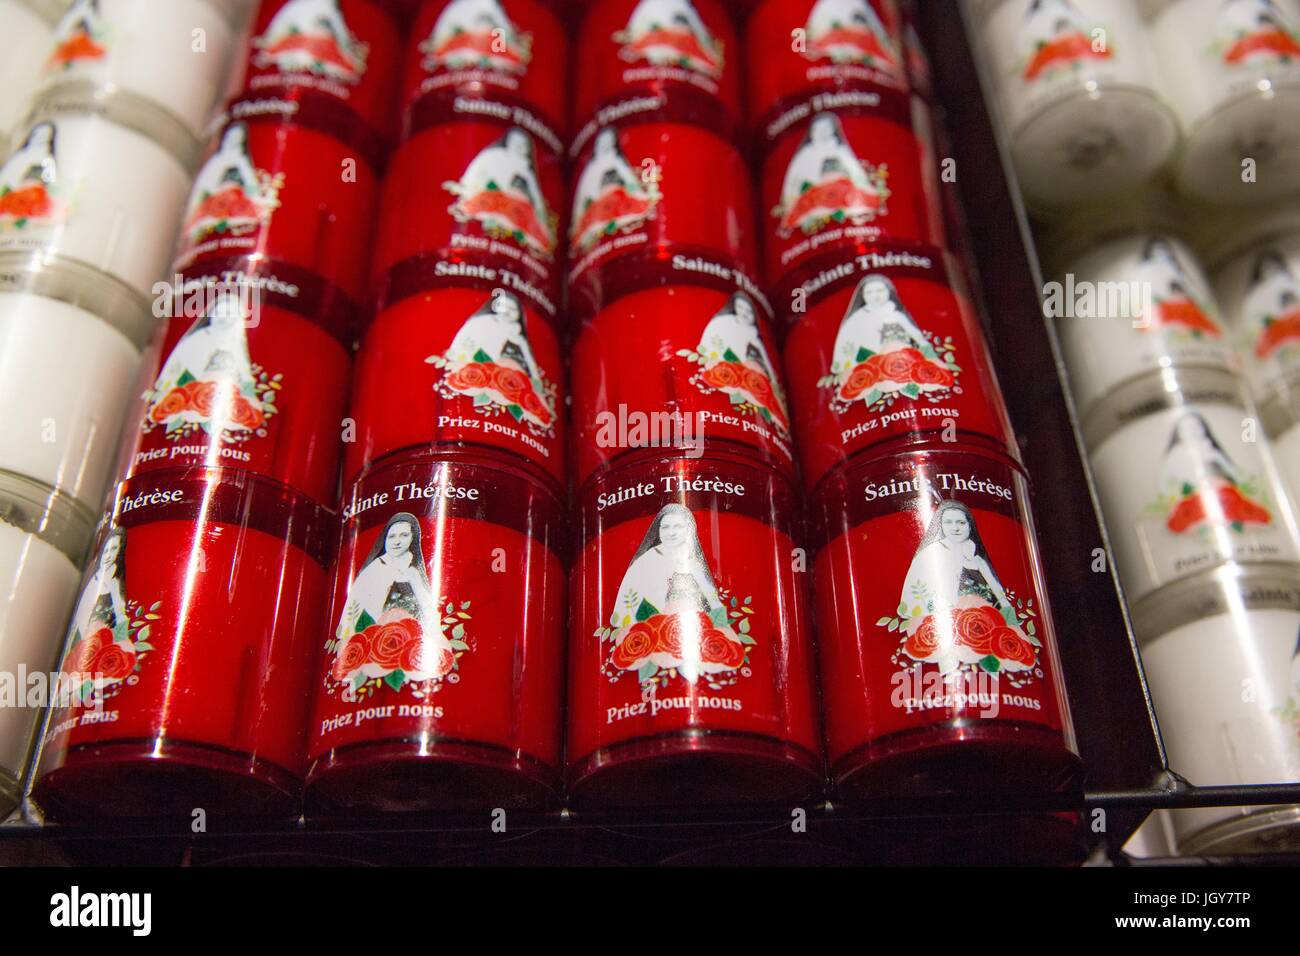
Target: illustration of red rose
[
  {"x": 922, "y": 644},
  {"x": 471, "y": 377},
  {"x": 1010, "y": 646},
  {"x": 354, "y": 653},
  {"x": 446, "y": 661},
  {"x": 388, "y": 641},
  {"x": 668, "y": 638},
  {"x": 244, "y": 414},
  {"x": 202, "y": 397},
  {"x": 897, "y": 366},
  {"x": 860, "y": 379},
  {"x": 113, "y": 662},
  {"x": 927, "y": 373},
  {"x": 83, "y": 655},
  {"x": 1235, "y": 507},
  {"x": 637, "y": 644},
  {"x": 173, "y": 403},
  {"x": 321, "y": 48},
  {"x": 1066, "y": 49},
  {"x": 612, "y": 207},
  {"x": 716, "y": 647},
  {"x": 724, "y": 375},
  {"x": 1283, "y": 329},
  {"x": 79, "y": 46},
  {"x": 1188, "y": 314},
  {"x": 837, "y": 195},
  {"x": 975, "y": 627},
  {"x": 27, "y": 202},
  {"x": 1273, "y": 42}
]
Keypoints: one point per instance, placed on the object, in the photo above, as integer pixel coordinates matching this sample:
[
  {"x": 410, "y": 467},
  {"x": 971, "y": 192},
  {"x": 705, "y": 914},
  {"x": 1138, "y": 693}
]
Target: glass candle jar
[
  {"x": 511, "y": 52},
  {"x": 676, "y": 61},
  {"x": 30, "y": 26},
  {"x": 460, "y": 368},
  {"x": 70, "y": 341},
  {"x": 1232, "y": 68},
  {"x": 1186, "y": 480},
  {"x": 842, "y": 179},
  {"x": 339, "y": 58},
  {"x": 473, "y": 200},
  {"x": 242, "y": 380},
  {"x": 690, "y": 679},
  {"x": 940, "y": 673},
  {"x": 43, "y": 541},
  {"x": 799, "y": 48},
  {"x": 888, "y": 351},
  {"x": 680, "y": 366},
  {"x": 440, "y": 682},
  {"x": 190, "y": 653},
  {"x": 101, "y": 181},
  {"x": 652, "y": 200},
  {"x": 172, "y": 54},
  {"x": 1078, "y": 91},
  {"x": 1220, "y": 656}
]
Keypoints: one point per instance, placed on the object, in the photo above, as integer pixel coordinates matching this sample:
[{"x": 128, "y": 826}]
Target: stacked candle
[
  {"x": 938, "y": 662},
  {"x": 1203, "y": 534},
  {"x": 690, "y": 678},
  {"x": 440, "y": 681},
  {"x": 107, "y": 98},
  {"x": 189, "y": 657}
]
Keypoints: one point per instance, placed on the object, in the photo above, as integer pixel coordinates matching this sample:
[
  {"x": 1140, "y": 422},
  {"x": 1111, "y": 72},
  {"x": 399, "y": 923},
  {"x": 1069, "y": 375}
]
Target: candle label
[
  {"x": 108, "y": 642},
  {"x": 1208, "y": 496},
  {"x": 459, "y": 367},
  {"x": 469, "y": 198},
  {"x": 689, "y": 616},
  {"x": 81, "y": 38},
  {"x": 511, "y": 52},
  {"x": 718, "y": 377},
  {"x": 448, "y": 594},
  {"x": 30, "y": 188},
  {"x": 341, "y": 53},
  {"x": 930, "y": 598},
  {"x": 1260, "y": 293},
  {"x": 675, "y": 54},
  {"x": 799, "y": 49},
  {"x": 844, "y": 179},
  {"x": 231, "y": 198},
  {"x": 647, "y": 194},
  {"x": 889, "y": 349}
]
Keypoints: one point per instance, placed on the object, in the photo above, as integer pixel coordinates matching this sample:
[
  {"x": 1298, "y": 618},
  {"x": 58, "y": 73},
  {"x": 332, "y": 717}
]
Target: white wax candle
[
  {"x": 1078, "y": 93},
  {"x": 38, "y": 583},
  {"x": 1225, "y": 682},
  {"x": 81, "y": 186},
  {"x": 1134, "y": 305},
  {"x": 66, "y": 379},
  {"x": 28, "y": 35},
  {"x": 1232, "y": 69},
  {"x": 1259, "y": 290},
  {"x": 175, "y": 53}
]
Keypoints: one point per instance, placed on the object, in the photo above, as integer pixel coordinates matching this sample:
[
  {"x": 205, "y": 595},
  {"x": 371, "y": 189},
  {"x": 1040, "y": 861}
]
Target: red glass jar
[
  {"x": 287, "y": 196},
  {"x": 655, "y": 202},
  {"x": 657, "y": 60},
  {"x": 460, "y": 367},
  {"x": 338, "y": 58},
  {"x": 798, "y": 49},
  {"x": 940, "y": 674},
  {"x": 192, "y": 646},
  {"x": 242, "y": 378},
  {"x": 688, "y": 367},
  {"x": 690, "y": 680},
  {"x": 440, "y": 682},
  {"x": 512, "y": 52},
  {"x": 888, "y": 352},
  {"x": 474, "y": 201},
  {"x": 842, "y": 180}
]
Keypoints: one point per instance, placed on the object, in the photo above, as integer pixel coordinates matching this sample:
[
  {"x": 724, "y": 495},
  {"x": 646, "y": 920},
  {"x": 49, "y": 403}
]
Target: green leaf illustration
[
  {"x": 482, "y": 357},
  {"x": 364, "y": 620},
  {"x": 395, "y": 679},
  {"x": 645, "y": 610}
]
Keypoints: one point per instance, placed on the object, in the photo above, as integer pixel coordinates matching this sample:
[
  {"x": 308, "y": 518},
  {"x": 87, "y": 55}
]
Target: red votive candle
[
  {"x": 690, "y": 682},
  {"x": 940, "y": 674},
  {"x": 510, "y": 52},
  {"x": 339, "y": 59},
  {"x": 800, "y": 50},
  {"x": 709, "y": 377},
  {"x": 294, "y": 198},
  {"x": 440, "y": 682},
  {"x": 460, "y": 368},
  {"x": 473, "y": 202},
  {"x": 653, "y": 203},
  {"x": 839, "y": 181},
  {"x": 657, "y": 60},
  {"x": 890, "y": 351},
  {"x": 192, "y": 645},
  {"x": 244, "y": 379}
]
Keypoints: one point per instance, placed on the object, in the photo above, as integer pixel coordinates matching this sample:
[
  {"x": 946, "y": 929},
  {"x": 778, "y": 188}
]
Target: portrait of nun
[
  {"x": 1274, "y": 290},
  {"x": 950, "y": 563},
  {"x": 497, "y": 329},
  {"x": 823, "y": 156},
  {"x": 229, "y": 165},
  {"x": 32, "y": 163},
  {"x": 848, "y": 30},
  {"x": 393, "y": 577},
  {"x": 735, "y": 328},
  {"x": 1194, "y": 457},
  {"x": 311, "y": 18},
  {"x": 488, "y": 23},
  {"x": 668, "y": 573},
  {"x": 1049, "y": 20},
  {"x": 508, "y": 164},
  {"x": 660, "y": 19},
  {"x": 607, "y": 170},
  {"x": 103, "y": 600},
  {"x": 876, "y": 320}
]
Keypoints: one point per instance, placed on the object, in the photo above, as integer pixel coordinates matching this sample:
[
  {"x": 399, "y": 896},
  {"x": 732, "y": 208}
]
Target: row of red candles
[{"x": 690, "y": 673}]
